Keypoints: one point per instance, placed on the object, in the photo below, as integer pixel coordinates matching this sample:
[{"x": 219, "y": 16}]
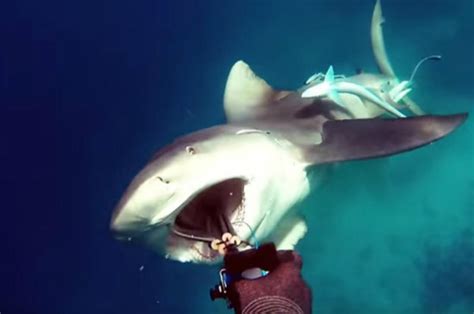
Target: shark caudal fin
[
  {"x": 344, "y": 140},
  {"x": 380, "y": 53},
  {"x": 377, "y": 40}
]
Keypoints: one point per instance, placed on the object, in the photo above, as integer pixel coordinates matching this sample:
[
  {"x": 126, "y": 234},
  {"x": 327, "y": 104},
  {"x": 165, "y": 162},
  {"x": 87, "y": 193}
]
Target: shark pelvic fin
[
  {"x": 245, "y": 91},
  {"x": 370, "y": 138}
]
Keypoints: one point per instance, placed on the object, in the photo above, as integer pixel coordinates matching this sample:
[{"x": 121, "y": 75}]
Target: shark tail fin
[
  {"x": 344, "y": 140},
  {"x": 380, "y": 54},
  {"x": 377, "y": 39}
]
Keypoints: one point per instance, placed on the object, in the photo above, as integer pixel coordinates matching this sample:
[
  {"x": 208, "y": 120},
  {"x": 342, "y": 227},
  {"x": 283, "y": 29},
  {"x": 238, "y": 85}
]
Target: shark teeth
[{"x": 240, "y": 210}]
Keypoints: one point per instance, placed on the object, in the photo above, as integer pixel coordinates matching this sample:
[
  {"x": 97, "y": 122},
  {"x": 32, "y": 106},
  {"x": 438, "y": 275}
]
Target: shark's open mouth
[{"x": 208, "y": 215}]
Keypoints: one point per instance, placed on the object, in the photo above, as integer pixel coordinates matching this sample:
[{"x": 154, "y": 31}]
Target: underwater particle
[
  {"x": 157, "y": 301},
  {"x": 189, "y": 112},
  {"x": 447, "y": 276},
  {"x": 141, "y": 268}
]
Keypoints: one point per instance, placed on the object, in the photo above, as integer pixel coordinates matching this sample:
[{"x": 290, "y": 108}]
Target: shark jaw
[
  {"x": 186, "y": 232},
  {"x": 212, "y": 212}
]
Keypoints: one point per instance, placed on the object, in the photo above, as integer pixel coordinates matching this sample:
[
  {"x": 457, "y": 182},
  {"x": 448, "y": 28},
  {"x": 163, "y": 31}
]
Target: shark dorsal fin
[{"x": 245, "y": 92}]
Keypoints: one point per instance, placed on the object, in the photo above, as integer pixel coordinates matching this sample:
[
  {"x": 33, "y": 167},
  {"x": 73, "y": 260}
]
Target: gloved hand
[{"x": 282, "y": 290}]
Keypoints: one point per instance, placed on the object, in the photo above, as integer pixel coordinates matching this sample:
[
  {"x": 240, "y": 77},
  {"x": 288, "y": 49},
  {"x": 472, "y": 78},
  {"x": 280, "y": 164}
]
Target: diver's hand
[{"x": 283, "y": 290}]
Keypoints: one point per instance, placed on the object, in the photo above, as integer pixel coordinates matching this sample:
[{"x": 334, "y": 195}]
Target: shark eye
[
  {"x": 190, "y": 150},
  {"x": 163, "y": 180}
]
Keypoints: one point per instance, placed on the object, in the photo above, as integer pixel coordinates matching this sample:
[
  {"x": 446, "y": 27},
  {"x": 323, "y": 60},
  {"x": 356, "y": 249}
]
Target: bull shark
[{"x": 248, "y": 177}]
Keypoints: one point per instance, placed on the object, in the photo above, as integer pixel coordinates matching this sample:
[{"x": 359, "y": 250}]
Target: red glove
[{"x": 283, "y": 290}]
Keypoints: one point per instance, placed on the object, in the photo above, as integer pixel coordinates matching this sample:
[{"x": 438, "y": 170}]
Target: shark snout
[
  {"x": 125, "y": 224},
  {"x": 144, "y": 203}
]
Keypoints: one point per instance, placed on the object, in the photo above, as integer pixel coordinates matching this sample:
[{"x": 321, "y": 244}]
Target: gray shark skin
[{"x": 248, "y": 177}]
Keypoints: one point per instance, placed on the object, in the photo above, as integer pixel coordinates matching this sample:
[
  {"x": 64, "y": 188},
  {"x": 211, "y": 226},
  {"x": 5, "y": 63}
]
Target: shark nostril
[{"x": 163, "y": 180}]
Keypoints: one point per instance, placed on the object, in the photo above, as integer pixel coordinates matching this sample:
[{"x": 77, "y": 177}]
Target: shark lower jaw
[{"x": 205, "y": 217}]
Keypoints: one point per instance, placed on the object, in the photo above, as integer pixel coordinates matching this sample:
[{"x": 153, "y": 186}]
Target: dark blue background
[{"x": 89, "y": 89}]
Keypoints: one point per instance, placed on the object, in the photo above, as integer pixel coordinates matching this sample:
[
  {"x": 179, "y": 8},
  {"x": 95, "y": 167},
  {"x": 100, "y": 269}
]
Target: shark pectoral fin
[
  {"x": 370, "y": 138},
  {"x": 289, "y": 232},
  {"x": 245, "y": 92}
]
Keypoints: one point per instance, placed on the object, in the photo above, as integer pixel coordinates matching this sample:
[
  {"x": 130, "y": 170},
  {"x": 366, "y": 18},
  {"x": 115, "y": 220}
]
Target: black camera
[{"x": 245, "y": 265}]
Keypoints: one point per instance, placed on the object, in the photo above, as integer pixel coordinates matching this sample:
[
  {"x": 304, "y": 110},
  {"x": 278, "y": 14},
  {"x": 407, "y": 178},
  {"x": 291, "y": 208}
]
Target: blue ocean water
[{"x": 89, "y": 90}]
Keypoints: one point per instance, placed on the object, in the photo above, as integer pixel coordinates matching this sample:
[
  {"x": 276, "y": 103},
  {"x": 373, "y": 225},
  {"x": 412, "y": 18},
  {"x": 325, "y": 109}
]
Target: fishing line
[
  {"x": 252, "y": 233},
  {"x": 432, "y": 57},
  {"x": 191, "y": 236}
]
